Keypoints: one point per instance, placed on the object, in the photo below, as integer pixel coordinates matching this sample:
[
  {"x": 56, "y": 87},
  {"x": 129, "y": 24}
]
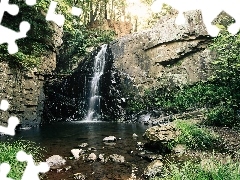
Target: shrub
[
  {"x": 193, "y": 136},
  {"x": 198, "y": 95},
  {"x": 221, "y": 116},
  {"x": 8, "y": 151}
]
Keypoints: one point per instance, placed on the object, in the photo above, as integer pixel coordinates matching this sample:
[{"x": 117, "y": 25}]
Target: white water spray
[{"x": 94, "y": 101}]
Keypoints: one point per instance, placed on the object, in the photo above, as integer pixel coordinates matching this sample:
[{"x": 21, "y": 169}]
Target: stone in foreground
[
  {"x": 55, "y": 161},
  {"x": 153, "y": 169},
  {"x": 159, "y": 136},
  {"x": 110, "y": 139},
  {"x": 76, "y": 152}
]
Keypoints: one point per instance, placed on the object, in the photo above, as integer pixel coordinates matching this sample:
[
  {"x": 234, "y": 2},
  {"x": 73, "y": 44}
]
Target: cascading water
[{"x": 94, "y": 99}]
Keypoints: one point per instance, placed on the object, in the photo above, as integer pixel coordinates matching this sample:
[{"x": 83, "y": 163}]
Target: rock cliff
[
  {"x": 24, "y": 88},
  {"x": 167, "y": 54}
]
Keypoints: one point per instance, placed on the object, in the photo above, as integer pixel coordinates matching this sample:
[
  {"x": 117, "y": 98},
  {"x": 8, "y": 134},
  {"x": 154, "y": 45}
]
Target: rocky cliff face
[
  {"x": 67, "y": 97},
  {"x": 165, "y": 55},
  {"x": 24, "y": 89}
]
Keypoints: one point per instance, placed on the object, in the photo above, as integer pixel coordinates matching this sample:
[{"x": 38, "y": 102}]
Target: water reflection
[{"x": 60, "y": 138}]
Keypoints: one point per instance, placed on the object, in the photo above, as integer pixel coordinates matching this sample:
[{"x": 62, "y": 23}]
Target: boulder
[
  {"x": 179, "y": 149},
  {"x": 150, "y": 156},
  {"x": 101, "y": 157},
  {"x": 79, "y": 176},
  {"x": 76, "y": 152},
  {"x": 116, "y": 158},
  {"x": 162, "y": 133},
  {"x": 135, "y": 136},
  {"x": 55, "y": 161},
  {"x": 154, "y": 168},
  {"x": 159, "y": 136},
  {"x": 83, "y": 145},
  {"x": 92, "y": 157},
  {"x": 109, "y": 139}
]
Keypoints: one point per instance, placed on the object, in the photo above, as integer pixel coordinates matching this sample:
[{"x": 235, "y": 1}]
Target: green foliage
[
  {"x": 220, "y": 93},
  {"x": 226, "y": 71},
  {"x": 198, "y": 95},
  {"x": 221, "y": 116},
  {"x": 215, "y": 95},
  {"x": 135, "y": 105},
  {"x": 38, "y": 40},
  {"x": 77, "y": 41},
  {"x": 8, "y": 151},
  {"x": 194, "y": 137},
  {"x": 214, "y": 169},
  {"x": 227, "y": 63}
]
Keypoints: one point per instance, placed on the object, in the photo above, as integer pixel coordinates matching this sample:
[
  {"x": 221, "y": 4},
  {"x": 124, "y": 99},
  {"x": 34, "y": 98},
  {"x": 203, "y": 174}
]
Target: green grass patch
[
  {"x": 8, "y": 151},
  {"x": 208, "y": 169},
  {"x": 193, "y": 136}
]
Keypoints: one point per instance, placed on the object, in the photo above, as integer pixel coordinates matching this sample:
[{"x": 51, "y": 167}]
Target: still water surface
[{"x": 60, "y": 138}]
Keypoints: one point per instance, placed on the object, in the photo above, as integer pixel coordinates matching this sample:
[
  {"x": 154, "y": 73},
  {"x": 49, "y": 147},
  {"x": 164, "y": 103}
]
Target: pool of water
[{"x": 60, "y": 138}]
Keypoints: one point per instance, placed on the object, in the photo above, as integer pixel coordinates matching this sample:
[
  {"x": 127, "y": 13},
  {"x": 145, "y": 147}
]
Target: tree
[{"x": 226, "y": 67}]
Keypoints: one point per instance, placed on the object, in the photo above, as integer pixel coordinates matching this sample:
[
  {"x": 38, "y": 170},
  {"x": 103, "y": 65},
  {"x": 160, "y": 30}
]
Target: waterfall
[{"x": 94, "y": 98}]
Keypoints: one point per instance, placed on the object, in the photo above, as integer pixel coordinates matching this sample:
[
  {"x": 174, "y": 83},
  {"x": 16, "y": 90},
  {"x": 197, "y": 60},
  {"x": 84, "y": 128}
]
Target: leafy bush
[
  {"x": 193, "y": 136},
  {"x": 226, "y": 68},
  {"x": 221, "y": 100},
  {"x": 36, "y": 44},
  {"x": 39, "y": 38},
  {"x": 198, "y": 95},
  {"x": 221, "y": 116},
  {"x": 8, "y": 151},
  {"x": 212, "y": 170}
]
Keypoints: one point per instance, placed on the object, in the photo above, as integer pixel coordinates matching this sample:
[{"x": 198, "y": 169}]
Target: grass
[
  {"x": 193, "y": 136},
  {"x": 208, "y": 169},
  {"x": 8, "y": 151}
]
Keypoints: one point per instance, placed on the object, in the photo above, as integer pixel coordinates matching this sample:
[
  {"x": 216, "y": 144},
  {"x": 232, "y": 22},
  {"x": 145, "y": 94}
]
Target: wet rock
[
  {"x": 135, "y": 136},
  {"x": 92, "y": 157},
  {"x": 150, "y": 156},
  {"x": 140, "y": 146},
  {"x": 92, "y": 149},
  {"x": 110, "y": 143},
  {"x": 154, "y": 168},
  {"x": 144, "y": 118},
  {"x": 179, "y": 149},
  {"x": 55, "y": 161},
  {"x": 67, "y": 168},
  {"x": 116, "y": 158},
  {"x": 110, "y": 139},
  {"x": 76, "y": 152},
  {"x": 59, "y": 170},
  {"x": 83, "y": 145},
  {"x": 79, "y": 176},
  {"x": 133, "y": 174},
  {"x": 159, "y": 136},
  {"x": 163, "y": 133},
  {"x": 101, "y": 157}
]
